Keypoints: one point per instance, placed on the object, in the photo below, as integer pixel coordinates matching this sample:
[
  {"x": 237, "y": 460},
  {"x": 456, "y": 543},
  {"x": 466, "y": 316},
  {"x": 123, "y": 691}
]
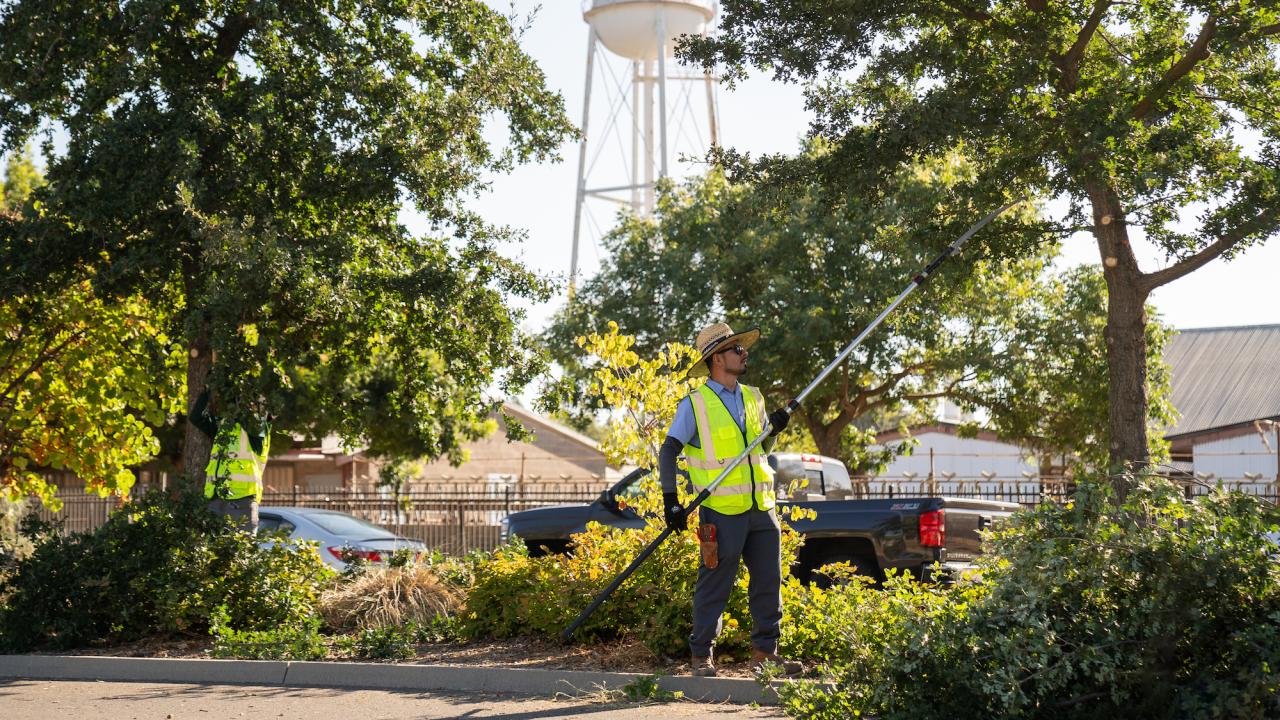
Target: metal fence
[
  {"x": 454, "y": 522},
  {"x": 457, "y": 521}
]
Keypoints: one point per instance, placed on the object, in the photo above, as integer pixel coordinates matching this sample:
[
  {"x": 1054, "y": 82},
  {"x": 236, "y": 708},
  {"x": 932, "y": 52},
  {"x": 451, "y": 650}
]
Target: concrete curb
[{"x": 357, "y": 676}]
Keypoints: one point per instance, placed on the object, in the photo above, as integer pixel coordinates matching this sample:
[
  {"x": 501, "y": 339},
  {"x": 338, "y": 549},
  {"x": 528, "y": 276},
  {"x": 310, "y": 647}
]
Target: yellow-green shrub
[{"x": 515, "y": 594}]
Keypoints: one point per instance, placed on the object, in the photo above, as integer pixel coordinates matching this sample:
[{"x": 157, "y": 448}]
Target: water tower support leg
[
  {"x": 662, "y": 90},
  {"x": 635, "y": 136},
  {"x": 582, "y": 164},
  {"x": 648, "y": 138}
]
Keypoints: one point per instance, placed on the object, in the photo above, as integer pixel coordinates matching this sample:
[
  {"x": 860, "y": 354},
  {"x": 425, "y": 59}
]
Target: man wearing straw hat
[{"x": 713, "y": 425}]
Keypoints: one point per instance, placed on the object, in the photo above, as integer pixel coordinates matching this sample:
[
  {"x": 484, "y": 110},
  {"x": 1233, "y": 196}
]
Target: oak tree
[
  {"x": 1156, "y": 121},
  {"x": 253, "y": 160},
  {"x": 811, "y": 270}
]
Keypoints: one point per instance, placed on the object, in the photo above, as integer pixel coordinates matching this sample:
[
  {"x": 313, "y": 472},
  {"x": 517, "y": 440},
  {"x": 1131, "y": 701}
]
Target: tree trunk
[
  {"x": 827, "y": 438},
  {"x": 828, "y": 443},
  {"x": 196, "y": 446},
  {"x": 1125, "y": 336}
]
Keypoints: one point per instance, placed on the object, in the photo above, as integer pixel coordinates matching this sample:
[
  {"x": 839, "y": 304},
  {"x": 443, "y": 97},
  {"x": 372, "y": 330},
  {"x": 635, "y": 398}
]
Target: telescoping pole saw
[{"x": 916, "y": 282}]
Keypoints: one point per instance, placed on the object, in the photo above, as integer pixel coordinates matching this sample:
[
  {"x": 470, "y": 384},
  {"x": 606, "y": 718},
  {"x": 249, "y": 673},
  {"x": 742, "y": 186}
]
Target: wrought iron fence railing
[{"x": 458, "y": 521}]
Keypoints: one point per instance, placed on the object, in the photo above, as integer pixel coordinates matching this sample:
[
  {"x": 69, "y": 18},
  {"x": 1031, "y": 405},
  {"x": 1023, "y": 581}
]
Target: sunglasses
[{"x": 735, "y": 349}]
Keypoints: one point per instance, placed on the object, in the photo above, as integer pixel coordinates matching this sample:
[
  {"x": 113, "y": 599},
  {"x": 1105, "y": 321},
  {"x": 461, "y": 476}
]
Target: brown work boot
[
  {"x": 701, "y": 666},
  {"x": 788, "y": 668}
]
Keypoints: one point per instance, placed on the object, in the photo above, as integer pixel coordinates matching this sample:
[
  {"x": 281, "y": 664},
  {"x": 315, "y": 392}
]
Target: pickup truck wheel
[{"x": 865, "y": 565}]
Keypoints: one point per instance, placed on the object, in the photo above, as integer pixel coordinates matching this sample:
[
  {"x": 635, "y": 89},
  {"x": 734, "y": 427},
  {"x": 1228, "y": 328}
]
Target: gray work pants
[
  {"x": 755, "y": 537},
  {"x": 244, "y": 511}
]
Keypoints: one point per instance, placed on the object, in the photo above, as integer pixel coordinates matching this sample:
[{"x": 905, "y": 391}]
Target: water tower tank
[{"x": 629, "y": 28}]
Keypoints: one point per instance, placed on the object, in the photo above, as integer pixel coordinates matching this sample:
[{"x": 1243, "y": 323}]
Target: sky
[{"x": 763, "y": 116}]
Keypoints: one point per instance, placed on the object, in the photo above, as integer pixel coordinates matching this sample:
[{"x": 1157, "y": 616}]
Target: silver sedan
[{"x": 339, "y": 534}]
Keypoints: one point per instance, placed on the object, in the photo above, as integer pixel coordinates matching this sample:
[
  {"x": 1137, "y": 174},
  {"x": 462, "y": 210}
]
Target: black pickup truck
[{"x": 909, "y": 534}]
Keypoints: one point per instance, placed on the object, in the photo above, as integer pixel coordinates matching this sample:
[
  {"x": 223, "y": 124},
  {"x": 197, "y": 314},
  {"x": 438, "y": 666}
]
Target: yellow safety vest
[
  {"x": 235, "y": 466},
  {"x": 751, "y": 482}
]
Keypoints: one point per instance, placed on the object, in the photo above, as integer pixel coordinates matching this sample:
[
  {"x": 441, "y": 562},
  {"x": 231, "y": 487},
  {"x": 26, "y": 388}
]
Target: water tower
[{"x": 642, "y": 33}]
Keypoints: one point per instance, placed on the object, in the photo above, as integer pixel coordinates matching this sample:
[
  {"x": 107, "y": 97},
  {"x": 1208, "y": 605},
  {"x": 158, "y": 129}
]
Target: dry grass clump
[{"x": 384, "y": 597}]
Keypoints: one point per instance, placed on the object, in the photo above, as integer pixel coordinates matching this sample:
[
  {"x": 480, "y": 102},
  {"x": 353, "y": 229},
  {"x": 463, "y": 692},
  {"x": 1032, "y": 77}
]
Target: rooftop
[{"x": 1224, "y": 376}]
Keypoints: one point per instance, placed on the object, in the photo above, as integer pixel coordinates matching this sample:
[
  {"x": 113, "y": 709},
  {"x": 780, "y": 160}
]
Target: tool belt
[{"x": 708, "y": 545}]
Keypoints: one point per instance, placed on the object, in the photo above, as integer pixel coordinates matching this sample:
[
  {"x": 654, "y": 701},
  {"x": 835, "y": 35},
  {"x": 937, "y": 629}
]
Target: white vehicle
[
  {"x": 828, "y": 477},
  {"x": 339, "y": 534}
]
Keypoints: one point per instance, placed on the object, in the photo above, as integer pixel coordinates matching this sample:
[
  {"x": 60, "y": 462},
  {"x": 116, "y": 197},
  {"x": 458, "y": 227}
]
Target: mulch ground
[{"x": 630, "y": 656}]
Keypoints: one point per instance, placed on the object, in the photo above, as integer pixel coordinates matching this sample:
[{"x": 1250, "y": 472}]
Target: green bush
[
  {"x": 1156, "y": 608},
  {"x": 513, "y": 594},
  {"x": 158, "y": 565},
  {"x": 287, "y": 642},
  {"x": 20, "y": 530},
  {"x": 387, "y": 643}
]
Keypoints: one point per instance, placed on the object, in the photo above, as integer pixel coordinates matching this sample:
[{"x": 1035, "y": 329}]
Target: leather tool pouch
[{"x": 707, "y": 543}]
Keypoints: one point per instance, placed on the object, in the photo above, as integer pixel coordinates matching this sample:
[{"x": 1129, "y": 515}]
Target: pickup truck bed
[{"x": 874, "y": 535}]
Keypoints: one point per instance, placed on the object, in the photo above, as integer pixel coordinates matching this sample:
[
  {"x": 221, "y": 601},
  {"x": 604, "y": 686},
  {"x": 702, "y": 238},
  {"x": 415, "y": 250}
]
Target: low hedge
[
  {"x": 1157, "y": 607},
  {"x": 157, "y": 566}
]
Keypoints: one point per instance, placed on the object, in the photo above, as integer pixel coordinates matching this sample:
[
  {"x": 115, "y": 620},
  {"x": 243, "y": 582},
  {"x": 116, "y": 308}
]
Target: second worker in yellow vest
[
  {"x": 237, "y": 462},
  {"x": 713, "y": 425}
]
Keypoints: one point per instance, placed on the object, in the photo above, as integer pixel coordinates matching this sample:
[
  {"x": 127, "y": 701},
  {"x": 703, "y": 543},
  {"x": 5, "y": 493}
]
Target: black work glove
[
  {"x": 778, "y": 420},
  {"x": 673, "y": 512}
]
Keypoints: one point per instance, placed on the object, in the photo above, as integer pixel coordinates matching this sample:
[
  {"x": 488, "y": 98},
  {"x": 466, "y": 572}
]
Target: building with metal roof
[{"x": 1226, "y": 389}]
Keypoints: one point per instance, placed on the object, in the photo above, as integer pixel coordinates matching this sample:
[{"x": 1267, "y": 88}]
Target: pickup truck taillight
[{"x": 933, "y": 529}]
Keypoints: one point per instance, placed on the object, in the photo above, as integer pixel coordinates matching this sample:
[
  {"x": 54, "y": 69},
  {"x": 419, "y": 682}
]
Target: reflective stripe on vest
[
  {"x": 235, "y": 470},
  {"x": 722, "y": 440}
]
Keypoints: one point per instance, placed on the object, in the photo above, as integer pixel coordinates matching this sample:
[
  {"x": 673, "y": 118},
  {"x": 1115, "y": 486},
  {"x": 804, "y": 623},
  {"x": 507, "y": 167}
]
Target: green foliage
[
  {"x": 392, "y": 642},
  {"x": 1160, "y": 607},
  {"x": 21, "y": 177},
  {"x": 641, "y": 394},
  {"x": 14, "y": 543},
  {"x": 157, "y": 566},
  {"x": 646, "y": 689},
  {"x": 255, "y": 159},
  {"x": 517, "y": 595},
  {"x": 1046, "y": 387},
  {"x": 457, "y": 572},
  {"x": 812, "y": 270},
  {"x": 287, "y": 642},
  {"x": 84, "y": 381},
  {"x": 1155, "y": 120}
]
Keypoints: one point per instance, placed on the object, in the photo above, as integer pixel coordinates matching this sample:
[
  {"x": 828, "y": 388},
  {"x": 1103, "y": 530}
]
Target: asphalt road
[{"x": 48, "y": 700}]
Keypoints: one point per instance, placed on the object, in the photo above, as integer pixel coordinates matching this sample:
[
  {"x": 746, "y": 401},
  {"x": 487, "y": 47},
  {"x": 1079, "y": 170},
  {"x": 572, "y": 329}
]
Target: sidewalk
[{"x": 365, "y": 676}]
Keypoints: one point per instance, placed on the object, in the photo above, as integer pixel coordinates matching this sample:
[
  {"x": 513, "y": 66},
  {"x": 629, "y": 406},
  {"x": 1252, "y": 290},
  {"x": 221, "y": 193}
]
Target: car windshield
[{"x": 348, "y": 526}]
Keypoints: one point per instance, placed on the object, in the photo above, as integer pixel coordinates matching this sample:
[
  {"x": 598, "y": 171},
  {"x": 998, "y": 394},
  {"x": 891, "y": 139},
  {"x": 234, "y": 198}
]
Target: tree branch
[
  {"x": 1114, "y": 48},
  {"x": 1199, "y": 51},
  {"x": 1268, "y": 217},
  {"x": 1070, "y": 60},
  {"x": 968, "y": 13},
  {"x": 230, "y": 35}
]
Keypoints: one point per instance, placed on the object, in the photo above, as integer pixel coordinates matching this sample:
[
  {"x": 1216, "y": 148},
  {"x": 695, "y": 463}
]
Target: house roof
[
  {"x": 1224, "y": 376},
  {"x": 524, "y": 415}
]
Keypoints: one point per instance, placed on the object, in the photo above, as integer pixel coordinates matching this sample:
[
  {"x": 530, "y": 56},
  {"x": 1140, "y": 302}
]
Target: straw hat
[{"x": 717, "y": 337}]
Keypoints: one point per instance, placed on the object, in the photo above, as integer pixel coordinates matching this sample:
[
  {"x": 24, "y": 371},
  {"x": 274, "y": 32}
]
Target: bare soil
[{"x": 626, "y": 656}]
